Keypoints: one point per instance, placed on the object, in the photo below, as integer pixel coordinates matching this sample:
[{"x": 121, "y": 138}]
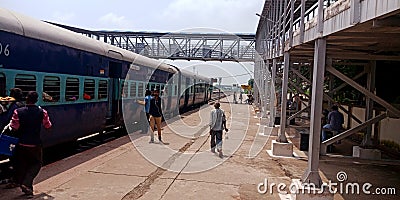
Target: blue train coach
[{"x": 86, "y": 85}]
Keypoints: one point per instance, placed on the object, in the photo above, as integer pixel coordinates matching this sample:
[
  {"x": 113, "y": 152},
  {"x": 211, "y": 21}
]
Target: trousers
[
  {"x": 28, "y": 164},
  {"x": 157, "y": 121},
  {"x": 216, "y": 139}
]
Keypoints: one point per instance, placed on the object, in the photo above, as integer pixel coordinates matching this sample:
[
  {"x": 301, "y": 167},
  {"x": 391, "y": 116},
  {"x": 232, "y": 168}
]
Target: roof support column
[
  {"x": 286, "y": 60},
  {"x": 267, "y": 87},
  {"x": 261, "y": 90},
  {"x": 276, "y": 29},
  {"x": 256, "y": 80},
  {"x": 311, "y": 175},
  {"x": 272, "y": 95},
  {"x": 259, "y": 74},
  {"x": 369, "y": 103}
]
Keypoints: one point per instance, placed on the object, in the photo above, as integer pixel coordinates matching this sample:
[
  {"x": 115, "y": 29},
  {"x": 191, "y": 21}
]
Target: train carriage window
[
  {"x": 103, "y": 89},
  {"x": 152, "y": 87},
  {"x": 133, "y": 89},
  {"x": 140, "y": 90},
  {"x": 72, "y": 89},
  {"x": 25, "y": 82},
  {"x": 2, "y": 85},
  {"x": 88, "y": 89},
  {"x": 51, "y": 89},
  {"x": 162, "y": 90}
]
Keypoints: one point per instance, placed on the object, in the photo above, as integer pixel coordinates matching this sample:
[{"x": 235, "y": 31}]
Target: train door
[
  {"x": 194, "y": 91},
  {"x": 187, "y": 90},
  {"x": 3, "y": 87},
  {"x": 114, "y": 103},
  {"x": 168, "y": 91}
]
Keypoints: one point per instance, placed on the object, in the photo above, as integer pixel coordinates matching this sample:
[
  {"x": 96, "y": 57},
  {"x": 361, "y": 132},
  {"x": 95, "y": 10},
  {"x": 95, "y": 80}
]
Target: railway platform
[{"x": 184, "y": 168}]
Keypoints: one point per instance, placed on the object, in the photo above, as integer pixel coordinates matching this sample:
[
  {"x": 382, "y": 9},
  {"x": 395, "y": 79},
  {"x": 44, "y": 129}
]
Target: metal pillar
[
  {"x": 255, "y": 81},
  {"x": 286, "y": 60},
  {"x": 265, "y": 89},
  {"x": 369, "y": 103},
  {"x": 312, "y": 175},
  {"x": 260, "y": 86},
  {"x": 264, "y": 97},
  {"x": 272, "y": 93}
]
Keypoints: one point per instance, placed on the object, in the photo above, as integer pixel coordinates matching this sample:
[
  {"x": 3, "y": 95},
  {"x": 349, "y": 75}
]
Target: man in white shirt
[{"x": 217, "y": 124}]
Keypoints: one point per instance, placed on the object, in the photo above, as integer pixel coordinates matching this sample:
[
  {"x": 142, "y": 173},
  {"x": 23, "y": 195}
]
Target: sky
[{"x": 229, "y": 16}]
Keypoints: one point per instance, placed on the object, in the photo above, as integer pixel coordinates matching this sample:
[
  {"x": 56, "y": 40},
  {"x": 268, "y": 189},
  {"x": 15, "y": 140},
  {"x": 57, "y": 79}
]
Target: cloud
[
  {"x": 227, "y": 15},
  {"x": 113, "y": 21}
]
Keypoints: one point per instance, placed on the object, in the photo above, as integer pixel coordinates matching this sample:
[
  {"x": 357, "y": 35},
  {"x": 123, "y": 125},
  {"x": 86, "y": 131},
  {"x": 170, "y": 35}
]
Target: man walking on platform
[
  {"x": 5, "y": 118},
  {"x": 217, "y": 124},
  {"x": 28, "y": 121}
]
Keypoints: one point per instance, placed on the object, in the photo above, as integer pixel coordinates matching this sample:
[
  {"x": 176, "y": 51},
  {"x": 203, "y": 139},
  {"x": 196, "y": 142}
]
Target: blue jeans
[{"x": 324, "y": 136}]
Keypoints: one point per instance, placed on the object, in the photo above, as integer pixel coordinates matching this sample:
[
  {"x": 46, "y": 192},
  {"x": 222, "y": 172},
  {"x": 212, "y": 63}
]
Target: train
[{"x": 88, "y": 86}]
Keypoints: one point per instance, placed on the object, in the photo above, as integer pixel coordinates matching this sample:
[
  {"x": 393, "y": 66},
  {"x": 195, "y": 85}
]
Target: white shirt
[{"x": 216, "y": 118}]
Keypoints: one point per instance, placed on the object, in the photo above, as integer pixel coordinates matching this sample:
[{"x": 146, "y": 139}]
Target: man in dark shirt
[
  {"x": 28, "y": 121},
  {"x": 335, "y": 121},
  {"x": 5, "y": 118},
  {"x": 156, "y": 114}
]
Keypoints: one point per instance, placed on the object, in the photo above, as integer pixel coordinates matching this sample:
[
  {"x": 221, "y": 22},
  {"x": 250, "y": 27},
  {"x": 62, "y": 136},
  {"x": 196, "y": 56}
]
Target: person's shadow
[
  {"x": 164, "y": 143},
  {"x": 37, "y": 196},
  {"x": 16, "y": 193}
]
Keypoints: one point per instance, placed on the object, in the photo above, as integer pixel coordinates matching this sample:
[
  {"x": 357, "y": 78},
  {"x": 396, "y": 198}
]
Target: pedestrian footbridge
[{"x": 198, "y": 45}]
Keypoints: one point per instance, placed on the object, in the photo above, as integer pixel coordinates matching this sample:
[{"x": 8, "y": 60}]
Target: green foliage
[
  {"x": 348, "y": 94},
  {"x": 391, "y": 145},
  {"x": 251, "y": 82}
]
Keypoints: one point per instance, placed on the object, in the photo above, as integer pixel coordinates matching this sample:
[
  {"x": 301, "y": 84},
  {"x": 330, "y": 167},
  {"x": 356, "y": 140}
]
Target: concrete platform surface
[{"x": 184, "y": 167}]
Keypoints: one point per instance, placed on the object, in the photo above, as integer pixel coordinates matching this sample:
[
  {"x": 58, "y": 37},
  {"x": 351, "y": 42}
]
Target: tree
[{"x": 251, "y": 82}]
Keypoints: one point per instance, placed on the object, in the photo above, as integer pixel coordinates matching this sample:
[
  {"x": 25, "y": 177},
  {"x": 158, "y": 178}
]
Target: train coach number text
[{"x": 4, "y": 49}]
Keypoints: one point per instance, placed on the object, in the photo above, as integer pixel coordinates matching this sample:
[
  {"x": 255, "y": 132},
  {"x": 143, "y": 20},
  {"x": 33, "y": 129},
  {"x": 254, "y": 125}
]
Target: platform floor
[{"x": 184, "y": 168}]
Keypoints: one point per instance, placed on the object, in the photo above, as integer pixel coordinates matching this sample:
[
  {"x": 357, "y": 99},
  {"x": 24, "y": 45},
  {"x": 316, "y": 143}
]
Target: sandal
[{"x": 26, "y": 190}]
